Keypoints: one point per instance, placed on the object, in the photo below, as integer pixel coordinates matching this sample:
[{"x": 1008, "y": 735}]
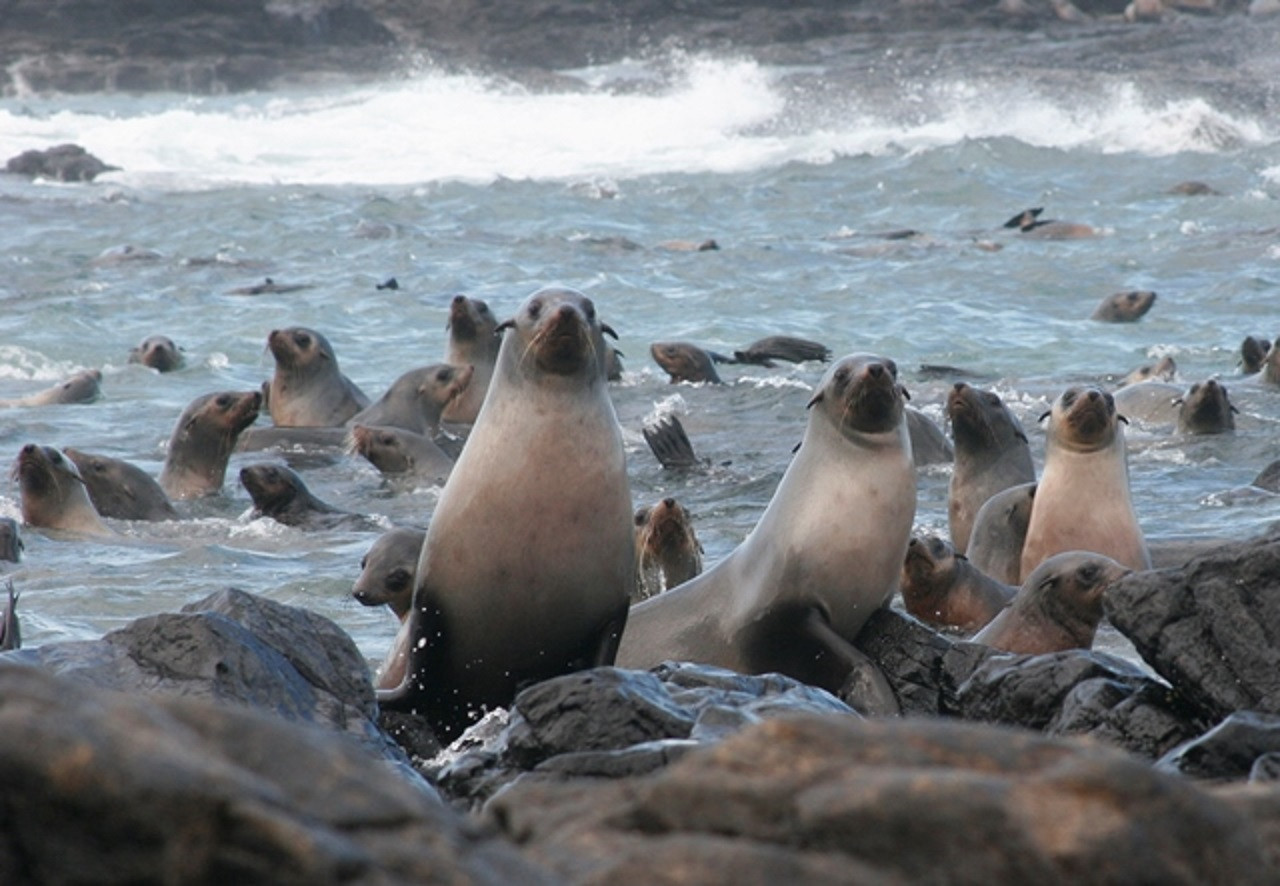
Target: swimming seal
[
  {"x": 529, "y": 561},
  {"x": 53, "y": 493},
  {"x": 1163, "y": 369},
  {"x": 10, "y": 630},
  {"x": 11, "y": 545},
  {"x": 1206, "y": 409},
  {"x": 395, "y": 451},
  {"x": 991, "y": 454},
  {"x": 1253, "y": 350},
  {"x": 782, "y": 347},
  {"x": 202, "y": 441},
  {"x": 474, "y": 342},
  {"x": 826, "y": 553},
  {"x": 999, "y": 531},
  {"x": 942, "y": 588},
  {"x": 121, "y": 490},
  {"x": 279, "y": 493},
  {"x": 1124, "y": 307},
  {"x": 386, "y": 577},
  {"x": 308, "y": 389},
  {"x": 1082, "y": 502},
  {"x": 159, "y": 352},
  {"x": 668, "y": 552},
  {"x": 1058, "y": 607},
  {"x": 1029, "y": 224},
  {"x": 685, "y": 361},
  {"x": 82, "y": 387}
]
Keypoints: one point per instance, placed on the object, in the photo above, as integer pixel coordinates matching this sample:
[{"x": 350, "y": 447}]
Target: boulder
[
  {"x": 1231, "y": 750},
  {"x": 64, "y": 163}
]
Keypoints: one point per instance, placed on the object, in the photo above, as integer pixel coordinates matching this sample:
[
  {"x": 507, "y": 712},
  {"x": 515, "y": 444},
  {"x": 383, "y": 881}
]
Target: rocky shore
[
  {"x": 77, "y": 46},
  {"x": 239, "y": 740}
]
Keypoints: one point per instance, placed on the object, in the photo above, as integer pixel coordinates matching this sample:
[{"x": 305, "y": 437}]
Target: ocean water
[{"x": 454, "y": 183}]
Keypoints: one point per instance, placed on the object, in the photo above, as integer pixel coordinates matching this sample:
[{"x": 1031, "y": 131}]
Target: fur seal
[
  {"x": 782, "y": 347},
  {"x": 1164, "y": 369},
  {"x": 827, "y": 552},
  {"x": 668, "y": 552},
  {"x": 279, "y": 493},
  {"x": 502, "y": 599},
  {"x": 82, "y": 387},
  {"x": 10, "y": 630},
  {"x": 1082, "y": 502},
  {"x": 685, "y": 361},
  {"x": 159, "y": 352},
  {"x": 474, "y": 342},
  {"x": 11, "y": 545},
  {"x": 1124, "y": 307},
  {"x": 941, "y": 587},
  {"x": 202, "y": 441},
  {"x": 1029, "y": 224},
  {"x": 397, "y": 451},
  {"x": 1206, "y": 409},
  {"x": 308, "y": 389},
  {"x": 991, "y": 454},
  {"x": 1269, "y": 371},
  {"x": 1253, "y": 350},
  {"x": 121, "y": 490},
  {"x": 386, "y": 577},
  {"x": 1149, "y": 402},
  {"x": 999, "y": 531},
  {"x": 1058, "y": 607},
  {"x": 53, "y": 493},
  {"x": 418, "y": 399},
  {"x": 267, "y": 287},
  {"x": 929, "y": 445},
  {"x": 670, "y": 444}
]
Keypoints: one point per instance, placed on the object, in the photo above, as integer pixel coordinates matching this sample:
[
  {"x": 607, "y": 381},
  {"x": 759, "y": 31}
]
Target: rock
[
  {"x": 1146, "y": 721},
  {"x": 842, "y": 800},
  {"x": 64, "y": 163},
  {"x": 1266, "y": 768},
  {"x": 1210, "y": 628},
  {"x": 120, "y": 788},
  {"x": 1229, "y": 750}
]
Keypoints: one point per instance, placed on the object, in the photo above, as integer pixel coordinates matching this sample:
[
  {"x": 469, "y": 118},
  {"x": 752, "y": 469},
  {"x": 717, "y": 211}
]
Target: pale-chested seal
[
  {"x": 11, "y": 545},
  {"x": 202, "y": 441},
  {"x": 999, "y": 530},
  {"x": 1124, "y": 307},
  {"x": 279, "y": 493},
  {"x": 827, "y": 552},
  {"x": 1029, "y": 224},
  {"x": 82, "y": 387},
  {"x": 308, "y": 388},
  {"x": 474, "y": 342},
  {"x": 386, "y": 577},
  {"x": 1206, "y": 409},
  {"x": 685, "y": 361},
  {"x": 943, "y": 588},
  {"x": 1058, "y": 607},
  {"x": 668, "y": 552},
  {"x": 395, "y": 451},
  {"x": 1082, "y": 502},
  {"x": 53, "y": 493},
  {"x": 121, "y": 490},
  {"x": 10, "y": 630},
  {"x": 991, "y": 454},
  {"x": 529, "y": 561},
  {"x": 159, "y": 352}
]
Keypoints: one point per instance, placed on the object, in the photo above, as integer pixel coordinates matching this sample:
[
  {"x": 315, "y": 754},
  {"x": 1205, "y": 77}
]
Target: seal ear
[
  {"x": 906, "y": 395},
  {"x": 1120, "y": 417},
  {"x": 608, "y": 330},
  {"x": 1043, "y": 417},
  {"x": 796, "y": 448},
  {"x": 504, "y": 326},
  {"x": 1021, "y": 435},
  {"x": 816, "y": 398}
]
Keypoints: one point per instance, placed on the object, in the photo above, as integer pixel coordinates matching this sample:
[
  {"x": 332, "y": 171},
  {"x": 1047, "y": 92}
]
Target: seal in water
[
  {"x": 1124, "y": 307},
  {"x": 667, "y": 549},
  {"x": 1206, "y": 409},
  {"x": 120, "y": 490},
  {"x": 991, "y": 455},
  {"x": 502, "y": 599},
  {"x": 53, "y": 493},
  {"x": 999, "y": 531},
  {"x": 308, "y": 389},
  {"x": 782, "y": 347},
  {"x": 685, "y": 361},
  {"x": 929, "y": 445},
  {"x": 418, "y": 399},
  {"x": 279, "y": 493},
  {"x": 202, "y": 441},
  {"x": 386, "y": 577},
  {"x": 395, "y": 451},
  {"x": 11, "y": 545},
  {"x": 1082, "y": 502},
  {"x": 1163, "y": 369},
  {"x": 474, "y": 342},
  {"x": 159, "y": 352},
  {"x": 1058, "y": 607},
  {"x": 10, "y": 630},
  {"x": 827, "y": 552},
  {"x": 1253, "y": 350},
  {"x": 943, "y": 588},
  {"x": 1029, "y": 224},
  {"x": 82, "y": 387}
]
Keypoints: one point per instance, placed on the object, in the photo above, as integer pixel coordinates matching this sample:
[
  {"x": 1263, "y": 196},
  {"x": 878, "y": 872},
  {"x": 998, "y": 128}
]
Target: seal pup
[
  {"x": 685, "y": 361},
  {"x": 1029, "y": 224},
  {"x": 1124, "y": 307},
  {"x": 782, "y": 347},
  {"x": 159, "y": 352},
  {"x": 82, "y": 387},
  {"x": 121, "y": 490},
  {"x": 1082, "y": 502},
  {"x": 474, "y": 342},
  {"x": 10, "y": 630},
  {"x": 999, "y": 531},
  {"x": 1058, "y": 607},
  {"x": 826, "y": 553},
  {"x": 53, "y": 493},
  {"x": 386, "y": 577},
  {"x": 11, "y": 545},
  {"x": 279, "y": 493},
  {"x": 1206, "y": 409},
  {"x": 202, "y": 441},
  {"x": 395, "y": 451},
  {"x": 1253, "y": 350},
  {"x": 418, "y": 399},
  {"x": 528, "y": 565},
  {"x": 942, "y": 588},
  {"x": 991, "y": 454},
  {"x": 308, "y": 389},
  {"x": 668, "y": 552}
]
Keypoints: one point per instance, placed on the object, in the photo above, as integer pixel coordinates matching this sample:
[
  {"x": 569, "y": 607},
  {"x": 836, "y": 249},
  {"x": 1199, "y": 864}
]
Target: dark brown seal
[
  {"x": 387, "y": 578},
  {"x": 667, "y": 549},
  {"x": 1124, "y": 307},
  {"x": 1253, "y": 350},
  {"x": 279, "y": 493},
  {"x": 1029, "y": 224},
  {"x": 308, "y": 388},
  {"x": 11, "y": 545},
  {"x": 685, "y": 361},
  {"x": 159, "y": 352},
  {"x": 202, "y": 441},
  {"x": 121, "y": 490},
  {"x": 10, "y": 630},
  {"x": 765, "y": 351},
  {"x": 1206, "y": 409},
  {"x": 473, "y": 341},
  {"x": 1058, "y": 607},
  {"x": 943, "y": 588},
  {"x": 53, "y": 493}
]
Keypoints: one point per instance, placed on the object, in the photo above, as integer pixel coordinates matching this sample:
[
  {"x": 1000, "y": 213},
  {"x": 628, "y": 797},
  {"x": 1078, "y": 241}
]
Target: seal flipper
[
  {"x": 670, "y": 444},
  {"x": 862, "y": 686},
  {"x": 10, "y": 633}
]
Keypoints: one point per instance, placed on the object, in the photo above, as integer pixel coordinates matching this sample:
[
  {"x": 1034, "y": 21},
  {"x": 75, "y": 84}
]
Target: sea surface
[{"x": 796, "y": 164}]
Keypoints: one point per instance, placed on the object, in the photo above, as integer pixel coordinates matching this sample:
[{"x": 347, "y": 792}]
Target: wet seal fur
[
  {"x": 826, "y": 553},
  {"x": 202, "y": 441},
  {"x": 668, "y": 552},
  {"x": 82, "y": 387},
  {"x": 308, "y": 388},
  {"x": 999, "y": 531},
  {"x": 387, "y": 577},
  {"x": 529, "y": 562},
  {"x": 159, "y": 352},
  {"x": 1206, "y": 409},
  {"x": 1124, "y": 307},
  {"x": 120, "y": 490},
  {"x": 53, "y": 493},
  {"x": 474, "y": 342},
  {"x": 279, "y": 493},
  {"x": 942, "y": 588},
  {"x": 992, "y": 454},
  {"x": 1082, "y": 502}
]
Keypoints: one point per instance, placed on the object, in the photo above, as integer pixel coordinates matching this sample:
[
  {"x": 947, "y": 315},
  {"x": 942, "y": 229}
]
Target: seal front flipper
[
  {"x": 862, "y": 685},
  {"x": 670, "y": 444},
  {"x": 10, "y": 635}
]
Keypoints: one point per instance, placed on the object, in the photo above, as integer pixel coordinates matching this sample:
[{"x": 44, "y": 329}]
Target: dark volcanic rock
[
  {"x": 1210, "y": 628},
  {"x": 1147, "y": 721},
  {"x": 64, "y": 163},
  {"x": 844, "y": 800},
  {"x": 1229, "y": 750}
]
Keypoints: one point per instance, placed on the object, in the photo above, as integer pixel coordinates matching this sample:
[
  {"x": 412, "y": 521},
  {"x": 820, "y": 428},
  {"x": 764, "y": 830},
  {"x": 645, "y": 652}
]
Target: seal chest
[{"x": 529, "y": 560}]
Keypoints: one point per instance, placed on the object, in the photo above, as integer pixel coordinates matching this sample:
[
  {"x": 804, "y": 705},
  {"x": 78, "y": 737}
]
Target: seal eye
[
  {"x": 1089, "y": 573},
  {"x": 842, "y": 375},
  {"x": 535, "y": 308},
  {"x": 589, "y": 309},
  {"x": 1068, "y": 396},
  {"x": 891, "y": 366},
  {"x": 223, "y": 401},
  {"x": 302, "y": 340},
  {"x": 397, "y": 579},
  {"x": 444, "y": 375}
]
